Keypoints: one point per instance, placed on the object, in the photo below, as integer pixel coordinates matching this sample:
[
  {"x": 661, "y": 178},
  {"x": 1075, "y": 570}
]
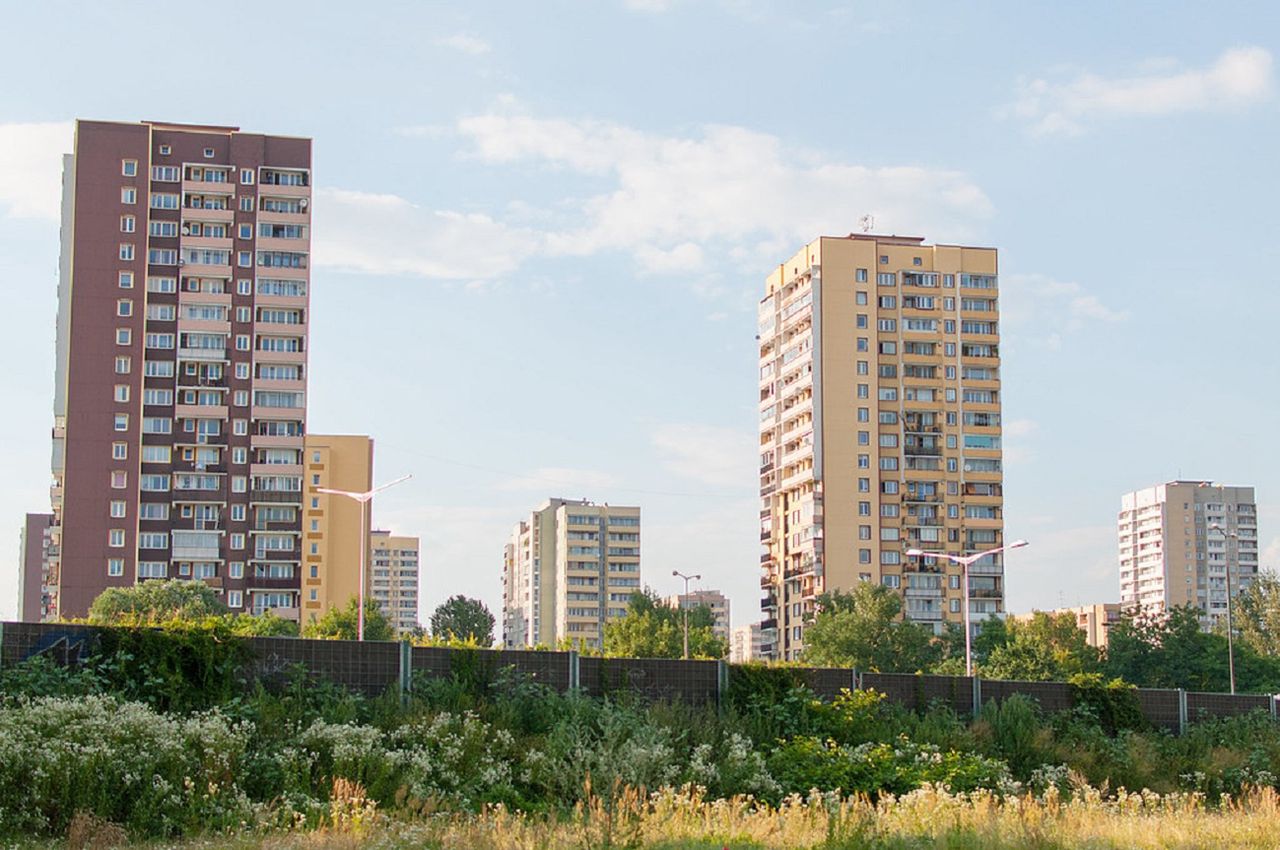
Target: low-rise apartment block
[{"x": 1093, "y": 620}]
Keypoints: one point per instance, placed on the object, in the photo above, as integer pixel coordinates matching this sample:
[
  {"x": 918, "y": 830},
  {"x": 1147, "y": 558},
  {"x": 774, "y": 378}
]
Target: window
[
  {"x": 162, "y": 284},
  {"x": 208, "y": 153},
  {"x": 165, "y": 150},
  {"x": 115, "y": 538},
  {"x": 119, "y": 479},
  {"x": 119, "y": 451},
  {"x": 860, "y": 275},
  {"x": 159, "y": 341},
  {"x": 164, "y": 201},
  {"x": 156, "y": 454},
  {"x": 123, "y": 364},
  {"x": 240, "y": 427},
  {"x": 237, "y": 541},
  {"x": 129, "y": 167},
  {"x": 244, "y": 287},
  {"x": 153, "y": 483},
  {"x": 115, "y": 566},
  {"x": 152, "y": 569},
  {"x": 242, "y": 342},
  {"x": 246, "y": 176},
  {"x": 153, "y": 510},
  {"x": 246, "y": 203},
  {"x": 128, "y": 224},
  {"x": 153, "y": 540},
  {"x": 244, "y": 259},
  {"x": 246, "y": 232},
  {"x": 889, "y": 325},
  {"x": 118, "y": 508},
  {"x": 121, "y": 422},
  {"x": 163, "y": 228},
  {"x": 244, "y": 314},
  {"x": 124, "y": 307},
  {"x": 240, "y": 398},
  {"x": 235, "y": 599},
  {"x": 126, "y": 250}
]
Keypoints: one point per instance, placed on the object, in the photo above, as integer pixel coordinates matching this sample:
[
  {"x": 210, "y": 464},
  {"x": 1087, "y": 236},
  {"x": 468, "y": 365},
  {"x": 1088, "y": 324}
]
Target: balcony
[
  {"x": 276, "y": 496},
  {"x": 215, "y": 355}
]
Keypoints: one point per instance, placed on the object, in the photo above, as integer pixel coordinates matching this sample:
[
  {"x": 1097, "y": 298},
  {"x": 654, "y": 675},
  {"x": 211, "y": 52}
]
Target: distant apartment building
[
  {"x": 1179, "y": 541},
  {"x": 714, "y": 600},
  {"x": 180, "y": 382},
  {"x": 34, "y": 552},
  {"x": 393, "y": 577},
  {"x": 1093, "y": 620},
  {"x": 333, "y": 534},
  {"x": 880, "y": 428},
  {"x": 569, "y": 567},
  {"x": 748, "y": 643}
]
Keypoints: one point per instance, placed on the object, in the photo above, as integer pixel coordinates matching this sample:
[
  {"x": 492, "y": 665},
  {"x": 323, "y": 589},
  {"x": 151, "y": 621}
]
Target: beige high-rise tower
[
  {"x": 1171, "y": 554},
  {"x": 879, "y": 428},
  {"x": 569, "y": 568}
]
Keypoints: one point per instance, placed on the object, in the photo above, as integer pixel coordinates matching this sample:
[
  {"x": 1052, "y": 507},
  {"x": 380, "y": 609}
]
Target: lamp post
[
  {"x": 364, "y": 499},
  {"x": 1231, "y": 655},
  {"x": 966, "y": 561},
  {"x": 687, "y": 579}
]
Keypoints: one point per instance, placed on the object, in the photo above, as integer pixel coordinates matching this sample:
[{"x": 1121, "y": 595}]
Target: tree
[
  {"x": 1167, "y": 650},
  {"x": 1256, "y": 615},
  {"x": 652, "y": 629},
  {"x": 463, "y": 618},
  {"x": 862, "y": 629},
  {"x": 1043, "y": 648},
  {"x": 154, "y": 603},
  {"x": 343, "y": 623}
]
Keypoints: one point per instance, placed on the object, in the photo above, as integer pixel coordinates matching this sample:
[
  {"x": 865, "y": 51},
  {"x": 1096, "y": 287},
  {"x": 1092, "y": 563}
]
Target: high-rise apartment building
[
  {"x": 716, "y": 601},
  {"x": 879, "y": 427},
  {"x": 1179, "y": 540},
  {"x": 180, "y": 387},
  {"x": 334, "y": 533},
  {"x": 393, "y": 577},
  {"x": 569, "y": 567},
  {"x": 34, "y": 552}
]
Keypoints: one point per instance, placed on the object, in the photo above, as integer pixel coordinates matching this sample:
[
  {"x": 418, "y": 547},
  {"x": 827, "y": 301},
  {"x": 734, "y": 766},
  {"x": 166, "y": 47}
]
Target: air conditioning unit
[
  {"x": 302, "y": 204},
  {"x": 186, "y": 230}
]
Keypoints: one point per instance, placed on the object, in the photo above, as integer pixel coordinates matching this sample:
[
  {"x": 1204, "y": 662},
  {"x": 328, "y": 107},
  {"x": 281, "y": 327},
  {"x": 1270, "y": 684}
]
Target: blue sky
[{"x": 541, "y": 230}]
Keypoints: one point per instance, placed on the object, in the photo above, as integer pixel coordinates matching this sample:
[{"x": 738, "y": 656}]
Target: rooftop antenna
[{"x": 868, "y": 223}]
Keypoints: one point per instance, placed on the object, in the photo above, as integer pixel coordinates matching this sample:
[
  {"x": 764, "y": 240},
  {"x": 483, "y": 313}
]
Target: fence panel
[
  {"x": 1052, "y": 696},
  {"x": 1160, "y": 707}
]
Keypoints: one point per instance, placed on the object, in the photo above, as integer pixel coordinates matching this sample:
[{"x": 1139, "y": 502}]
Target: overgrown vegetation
[{"x": 120, "y": 741}]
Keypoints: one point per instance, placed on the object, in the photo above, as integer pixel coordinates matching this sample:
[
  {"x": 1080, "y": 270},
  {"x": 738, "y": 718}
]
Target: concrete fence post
[
  {"x": 1273, "y": 702},
  {"x": 977, "y": 695},
  {"x": 406, "y": 671},
  {"x": 722, "y": 681},
  {"x": 575, "y": 672},
  {"x": 854, "y": 684},
  {"x": 1182, "y": 711}
]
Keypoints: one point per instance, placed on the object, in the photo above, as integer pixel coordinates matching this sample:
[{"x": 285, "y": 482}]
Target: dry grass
[{"x": 928, "y": 818}]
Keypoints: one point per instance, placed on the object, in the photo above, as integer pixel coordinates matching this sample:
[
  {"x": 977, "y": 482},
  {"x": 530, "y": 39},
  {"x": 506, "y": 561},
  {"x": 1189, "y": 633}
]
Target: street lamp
[
  {"x": 364, "y": 499},
  {"x": 687, "y": 579},
  {"x": 965, "y": 561},
  {"x": 1231, "y": 655}
]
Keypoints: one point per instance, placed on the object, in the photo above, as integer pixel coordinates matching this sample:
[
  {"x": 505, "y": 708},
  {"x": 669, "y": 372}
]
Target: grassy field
[{"x": 926, "y": 818}]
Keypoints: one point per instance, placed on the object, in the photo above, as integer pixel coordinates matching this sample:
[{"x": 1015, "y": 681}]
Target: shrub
[{"x": 803, "y": 764}]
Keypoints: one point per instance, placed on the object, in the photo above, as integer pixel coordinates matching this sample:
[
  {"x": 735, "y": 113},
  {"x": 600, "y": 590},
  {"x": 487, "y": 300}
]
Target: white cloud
[
  {"x": 464, "y": 43},
  {"x": 1241, "y": 76},
  {"x": 566, "y": 482},
  {"x": 676, "y": 197},
  {"x": 720, "y": 457},
  {"x": 31, "y": 168},
  {"x": 1050, "y": 308},
  {"x": 387, "y": 234}
]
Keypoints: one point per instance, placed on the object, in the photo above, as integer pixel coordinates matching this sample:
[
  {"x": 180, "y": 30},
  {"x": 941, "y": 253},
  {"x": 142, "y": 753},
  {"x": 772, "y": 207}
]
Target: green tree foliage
[
  {"x": 652, "y": 629},
  {"x": 862, "y": 629},
  {"x": 342, "y": 623},
  {"x": 155, "y": 603},
  {"x": 462, "y": 618},
  {"x": 1047, "y": 647},
  {"x": 1257, "y": 615}
]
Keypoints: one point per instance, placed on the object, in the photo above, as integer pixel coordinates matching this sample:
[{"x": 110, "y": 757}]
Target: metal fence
[{"x": 373, "y": 668}]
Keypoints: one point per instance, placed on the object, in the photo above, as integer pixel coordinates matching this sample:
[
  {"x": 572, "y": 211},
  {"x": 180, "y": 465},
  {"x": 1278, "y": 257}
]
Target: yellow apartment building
[
  {"x": 393, "y": 577},
  {"x": 331, "y": 534},
  {"x": 880, "y": 428}
]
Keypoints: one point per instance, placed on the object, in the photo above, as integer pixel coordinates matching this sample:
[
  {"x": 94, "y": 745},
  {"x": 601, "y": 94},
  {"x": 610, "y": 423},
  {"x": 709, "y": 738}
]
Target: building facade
[
  {"x": 1179, "y": 540},
  {"x": 714, "y": 600},
  {"x": 569, "y": 567},
  {"x": 393, "y": 577},
  {"x": 180, "y": 386},
  {"x": 879, "y": 428},
  {"x": 334, "y": 534},
  {"x": 34, "y": 552},
  {"x": 748, "y": 643}
]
